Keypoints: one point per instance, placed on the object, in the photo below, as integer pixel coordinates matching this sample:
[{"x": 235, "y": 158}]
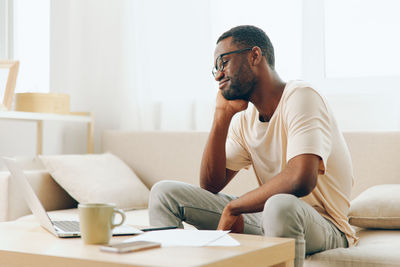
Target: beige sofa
[{"x": 155, "y": 156}]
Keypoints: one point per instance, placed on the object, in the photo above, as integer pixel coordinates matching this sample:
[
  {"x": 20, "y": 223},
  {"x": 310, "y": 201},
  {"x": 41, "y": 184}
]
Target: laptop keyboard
[{"x": 67, "y": 226}]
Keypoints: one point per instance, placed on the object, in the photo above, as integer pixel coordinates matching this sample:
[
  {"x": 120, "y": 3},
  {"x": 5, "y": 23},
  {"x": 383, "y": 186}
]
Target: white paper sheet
[
  {"x": 190, "y": 238},
  {"x": 224, "y": 241}
]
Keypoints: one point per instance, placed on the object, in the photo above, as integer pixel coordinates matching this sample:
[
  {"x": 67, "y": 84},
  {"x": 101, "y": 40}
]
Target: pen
[{"x": 159, "y": 228}]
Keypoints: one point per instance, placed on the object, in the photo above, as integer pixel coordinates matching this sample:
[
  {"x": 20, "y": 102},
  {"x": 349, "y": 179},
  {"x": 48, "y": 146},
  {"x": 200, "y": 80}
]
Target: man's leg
[
  {"x": 172, "y": 202},
  {"x": 285, "y": 215}
]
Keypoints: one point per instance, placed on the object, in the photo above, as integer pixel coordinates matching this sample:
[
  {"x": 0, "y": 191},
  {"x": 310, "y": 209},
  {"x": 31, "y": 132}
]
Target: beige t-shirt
[{"x": 302, "y": 123}]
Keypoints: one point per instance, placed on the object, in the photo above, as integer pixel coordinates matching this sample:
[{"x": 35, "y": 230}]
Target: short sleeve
[
  {"x": 237, "y": 155},
  {"x": 308, "y": 125}
]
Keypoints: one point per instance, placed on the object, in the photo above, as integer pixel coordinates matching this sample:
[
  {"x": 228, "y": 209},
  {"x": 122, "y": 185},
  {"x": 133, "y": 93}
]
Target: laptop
[{"x": 58, "y": 228}]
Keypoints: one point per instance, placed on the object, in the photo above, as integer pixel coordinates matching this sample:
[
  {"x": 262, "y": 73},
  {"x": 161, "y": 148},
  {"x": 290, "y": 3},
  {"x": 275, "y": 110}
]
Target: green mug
[{"x": 97, "y": 221}]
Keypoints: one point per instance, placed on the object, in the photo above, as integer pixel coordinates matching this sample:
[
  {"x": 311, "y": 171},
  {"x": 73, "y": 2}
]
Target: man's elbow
[
  {"x": 209, "y": 187},
  {"x": 303, "y": 186}
]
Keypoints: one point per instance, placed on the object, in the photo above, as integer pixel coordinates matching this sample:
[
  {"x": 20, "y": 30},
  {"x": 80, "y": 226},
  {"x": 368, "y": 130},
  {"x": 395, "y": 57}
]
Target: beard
[{"x": 242, "y": 85}]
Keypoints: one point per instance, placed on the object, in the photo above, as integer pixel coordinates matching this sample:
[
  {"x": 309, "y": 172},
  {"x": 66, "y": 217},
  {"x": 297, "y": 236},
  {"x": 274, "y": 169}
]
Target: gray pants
[{"x": 284, "y": 215}]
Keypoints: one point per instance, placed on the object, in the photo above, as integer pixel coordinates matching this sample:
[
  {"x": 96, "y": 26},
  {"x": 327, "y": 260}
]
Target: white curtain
[
  {"x": 173, "y": 58},
  {"x": 146, "y": 65},
  {"x": 174, "y": 43}
]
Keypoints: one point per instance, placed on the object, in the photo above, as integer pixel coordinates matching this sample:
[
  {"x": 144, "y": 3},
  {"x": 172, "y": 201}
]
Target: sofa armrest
[
  {"x": 50, "y": 194},
  {"x": 3, "y": 196}
]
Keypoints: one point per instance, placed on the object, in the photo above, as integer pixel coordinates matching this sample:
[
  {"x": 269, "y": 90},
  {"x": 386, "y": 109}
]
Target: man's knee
[
  {"x": 281, "y": 216},
  {"x": 163, "y": 190},
  {"x": 164, "y": 208},
  {"x": 162, "y": 187}
]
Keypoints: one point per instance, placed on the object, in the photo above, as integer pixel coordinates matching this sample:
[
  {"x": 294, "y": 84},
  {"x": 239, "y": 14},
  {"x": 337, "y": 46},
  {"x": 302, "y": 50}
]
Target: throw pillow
[
  {"x": 377, "y": 207},
  {"x": 98, "y": 178}
]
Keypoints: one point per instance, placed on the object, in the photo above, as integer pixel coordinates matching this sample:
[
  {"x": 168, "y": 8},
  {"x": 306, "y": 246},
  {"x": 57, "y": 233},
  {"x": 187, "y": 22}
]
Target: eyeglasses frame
[{"x": 215, "y": 69}]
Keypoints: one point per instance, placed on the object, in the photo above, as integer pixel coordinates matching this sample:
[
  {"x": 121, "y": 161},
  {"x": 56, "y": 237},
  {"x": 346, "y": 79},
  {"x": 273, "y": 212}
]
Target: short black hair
[{"x": 249, "y": 36}]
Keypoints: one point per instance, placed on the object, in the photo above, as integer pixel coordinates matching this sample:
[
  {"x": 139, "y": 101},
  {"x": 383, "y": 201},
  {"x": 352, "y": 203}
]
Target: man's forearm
[
  {"x": 299, "y": 178},
  {"x": 250, "y": 202},
  {"x": 213, "y": 164},
  {"x": 254, "y": 200}
]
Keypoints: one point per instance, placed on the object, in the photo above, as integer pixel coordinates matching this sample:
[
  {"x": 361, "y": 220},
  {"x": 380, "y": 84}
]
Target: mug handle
[{"x": 122, "y": 218}]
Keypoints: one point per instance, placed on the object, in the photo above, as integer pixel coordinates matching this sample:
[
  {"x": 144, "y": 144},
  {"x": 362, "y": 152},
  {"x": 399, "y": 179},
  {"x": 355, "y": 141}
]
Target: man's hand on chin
[
  {"x": 230, "y": 106},
  {"x": 228, "y": 221}
]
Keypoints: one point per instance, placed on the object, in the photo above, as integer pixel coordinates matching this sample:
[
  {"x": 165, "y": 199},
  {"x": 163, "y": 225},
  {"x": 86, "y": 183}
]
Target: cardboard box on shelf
[{"x": 43, "y": 103}]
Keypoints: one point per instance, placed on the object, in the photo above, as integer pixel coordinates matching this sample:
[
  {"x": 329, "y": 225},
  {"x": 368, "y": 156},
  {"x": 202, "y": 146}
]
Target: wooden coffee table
[{"x": 25, "y": 243}]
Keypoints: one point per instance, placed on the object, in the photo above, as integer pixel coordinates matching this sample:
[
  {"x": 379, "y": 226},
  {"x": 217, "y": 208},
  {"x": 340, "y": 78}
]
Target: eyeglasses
[{"x": 220, "y": 63}]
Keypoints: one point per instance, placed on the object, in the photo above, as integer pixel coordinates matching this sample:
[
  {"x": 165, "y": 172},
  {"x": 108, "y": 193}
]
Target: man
[{"x": 291, "y": 139}]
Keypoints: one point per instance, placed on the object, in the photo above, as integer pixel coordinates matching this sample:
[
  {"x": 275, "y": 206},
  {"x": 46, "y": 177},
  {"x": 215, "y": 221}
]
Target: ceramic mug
[{"x": 97, "y": 221}]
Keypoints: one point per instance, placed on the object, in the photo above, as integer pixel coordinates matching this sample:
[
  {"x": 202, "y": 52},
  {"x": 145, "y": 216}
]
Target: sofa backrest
[
  {"x": 155, "y": 156},
  {"x": 375, "y": 157}
]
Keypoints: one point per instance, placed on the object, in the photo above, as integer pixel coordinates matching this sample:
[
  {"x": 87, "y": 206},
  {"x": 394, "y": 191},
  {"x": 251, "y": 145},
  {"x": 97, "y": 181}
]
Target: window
[
  {"x": 32, "y": 44},
  {"x": 365, "y": 41},
  {"x": 5, "y": 28}
]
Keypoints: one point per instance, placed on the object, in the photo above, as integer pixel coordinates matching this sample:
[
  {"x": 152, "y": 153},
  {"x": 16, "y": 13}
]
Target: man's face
[{"x": 236, "y": 80}]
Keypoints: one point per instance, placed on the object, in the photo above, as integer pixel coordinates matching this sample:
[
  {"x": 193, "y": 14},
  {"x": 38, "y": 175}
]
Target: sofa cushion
[
  {"x": 377, "y": 207},
  {"x": 374, "y": 249},
  {"x": 101, "y": 178}
]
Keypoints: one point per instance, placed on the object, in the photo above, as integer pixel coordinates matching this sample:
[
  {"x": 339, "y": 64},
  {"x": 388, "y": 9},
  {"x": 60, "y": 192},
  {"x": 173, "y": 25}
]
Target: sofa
[{"x": 155, "y": 156}]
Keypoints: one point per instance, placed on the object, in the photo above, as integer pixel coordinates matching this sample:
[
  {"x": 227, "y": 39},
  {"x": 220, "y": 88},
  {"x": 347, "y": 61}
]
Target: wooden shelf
[
  {"x": 34, "y": 116},
  {"x": 85, "y": 117}
]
